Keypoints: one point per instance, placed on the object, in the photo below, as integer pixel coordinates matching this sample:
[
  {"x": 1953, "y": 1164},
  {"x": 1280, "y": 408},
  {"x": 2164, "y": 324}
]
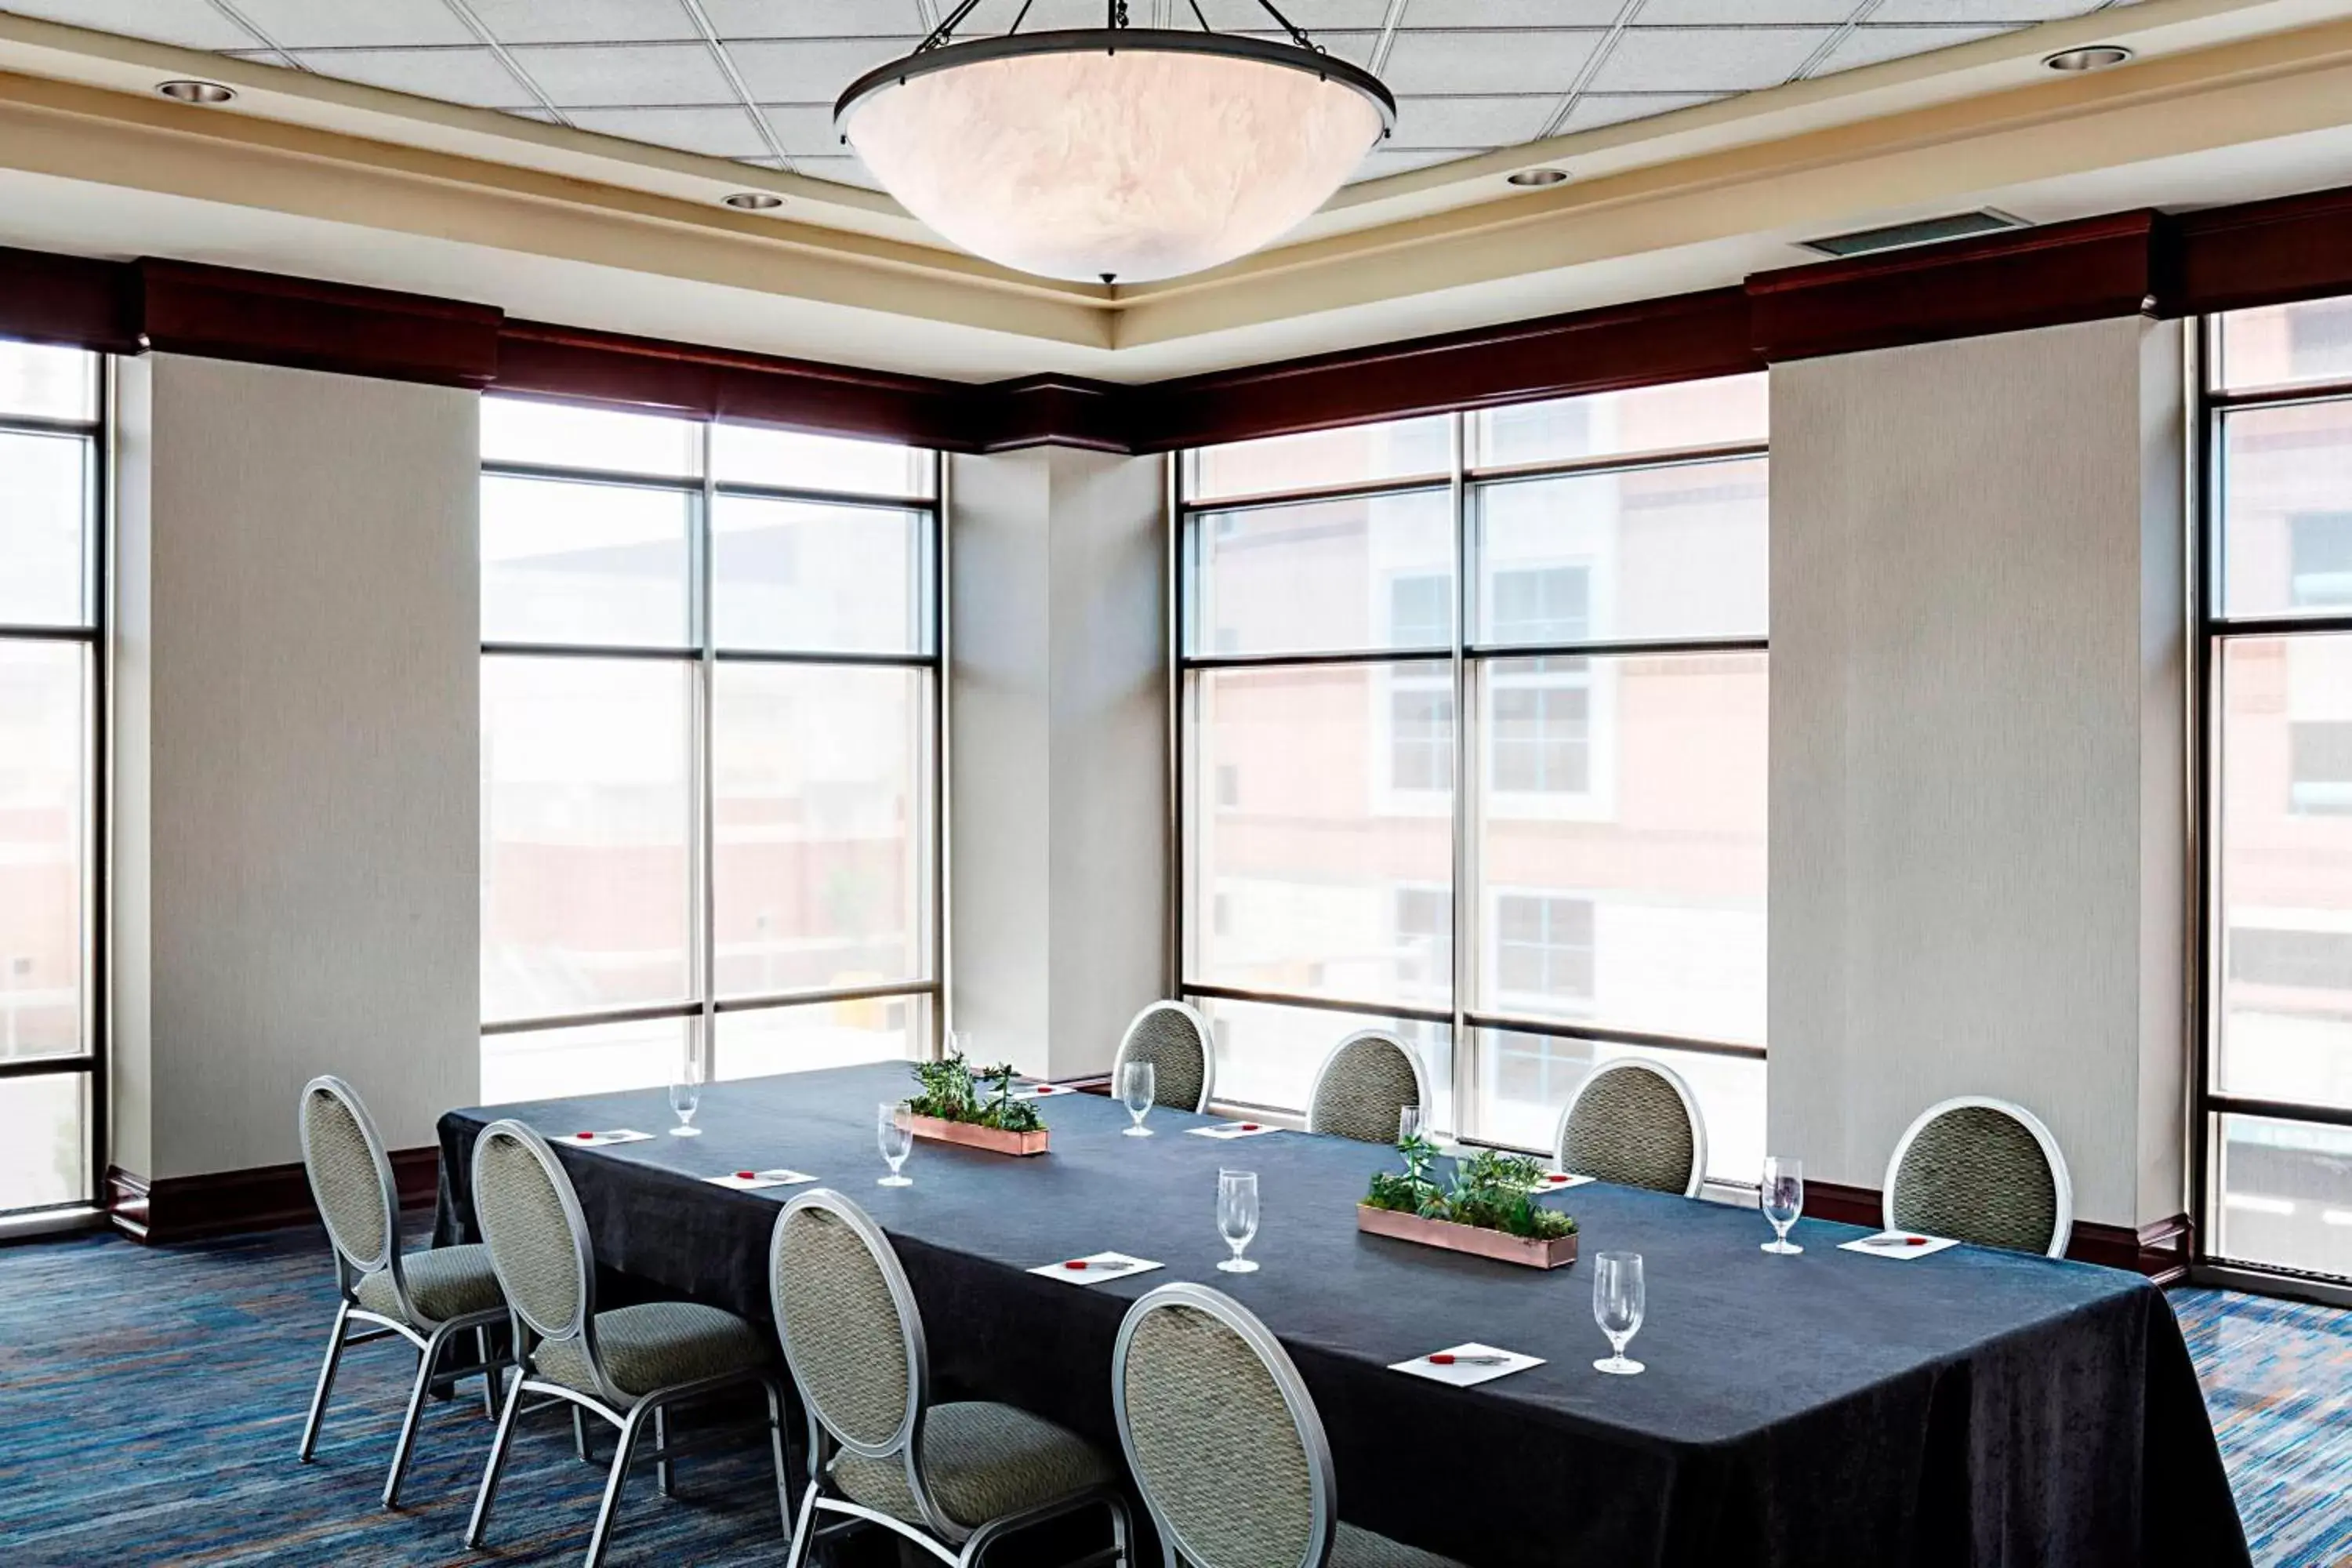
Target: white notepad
[
  {"x": 751, "y": 1181},
  {"x": 1557, "y": 1182},
  {"x": 1225, "y": 1131},
  {"x": 1913, "y": 1245},
  {"x": 1465, "y": 1375},
  {"x": 599, "y": 1139},
  {"x": 1121, "y": 1265},
  {"x": 1042, "y": 1091}
]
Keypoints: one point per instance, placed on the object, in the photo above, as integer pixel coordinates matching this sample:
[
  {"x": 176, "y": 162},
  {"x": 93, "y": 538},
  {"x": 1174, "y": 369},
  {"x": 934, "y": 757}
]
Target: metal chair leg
[
  {"x": 326, "y": 1380},
  {"x": 489, "y": 1376},
  {"x": 624, "y": 1452},
  {"x": 783, "y": 1462},
  {"x": 662, "y": 1476},
  {"x": 427, "y": 1360},
  {"x": 803, "y": 1529},
  {"x": 498, "y": 1461},
  {"x": 1122, "y": 1532},
  {"x": 580, "y": 1434}
]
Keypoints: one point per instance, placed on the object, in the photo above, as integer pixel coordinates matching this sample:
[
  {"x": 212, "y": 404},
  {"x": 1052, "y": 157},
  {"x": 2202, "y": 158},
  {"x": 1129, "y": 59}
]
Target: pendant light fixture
[{"x": 1113, "y": 153}]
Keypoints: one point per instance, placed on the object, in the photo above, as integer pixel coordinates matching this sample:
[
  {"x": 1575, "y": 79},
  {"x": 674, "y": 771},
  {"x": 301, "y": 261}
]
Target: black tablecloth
[{"x": 1972, "y": 1408}]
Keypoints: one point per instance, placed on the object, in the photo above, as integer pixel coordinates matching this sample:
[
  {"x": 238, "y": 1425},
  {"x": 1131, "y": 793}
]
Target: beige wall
[
  {"x": 298, "y": 722},
  {"x": 1976, "y": 734},
  {"x": 1058, "y": 868}
]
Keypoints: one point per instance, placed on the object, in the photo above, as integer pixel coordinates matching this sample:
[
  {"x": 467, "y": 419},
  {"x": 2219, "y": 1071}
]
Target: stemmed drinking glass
[
  {"x": 1617, "y": 1303},
  {"x": 1410, "y": 1118},
  {"x": 1782, "y": 1199},
  {"x": 1237, "y": 1217},
  {"x": 894, "y": 1128},
  {"x": 1135, "y": 1089},
  {"x": 686, "y": 1095}
]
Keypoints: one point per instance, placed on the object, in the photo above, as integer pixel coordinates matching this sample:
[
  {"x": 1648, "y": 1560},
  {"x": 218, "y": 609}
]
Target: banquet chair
[
  {"x": 1361, "y": 1086},
  {"x": 1224, "y": 1443},
  {"x": 1174, "y": 1038},
  {"x": 954, "y": 1479},
  {"x": 429, "y": 1298},
  {"x": 626, "y": 1366},
  {"x": 1637, "y": 1124},
  {"x": 1984, "y": 1171}
]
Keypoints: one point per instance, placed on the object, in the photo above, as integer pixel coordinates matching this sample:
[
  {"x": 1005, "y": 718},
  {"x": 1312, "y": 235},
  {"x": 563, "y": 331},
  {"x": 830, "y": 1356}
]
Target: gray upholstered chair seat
[
  {"x": 444, "y": 1282},
  {"x": 981, "y": 1462},
  {"x": 1353, "y": 1548},
  {"x": 658, "y": 1345}
]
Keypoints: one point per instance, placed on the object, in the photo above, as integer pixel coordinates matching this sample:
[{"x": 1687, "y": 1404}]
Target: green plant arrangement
[
  {"x": 1490, "y": 1191},
  {"x": 953, "y": 1091}
]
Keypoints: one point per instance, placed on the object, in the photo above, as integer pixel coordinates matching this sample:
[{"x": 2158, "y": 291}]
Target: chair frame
[
  {"x": 2062, "y": 1180},
  {"x": 1331, "y": 1060},
  {"x": 1201, "y": 1031},
  {"x": 630, "y": 1414},
  {"x": 429, "y": 1337},
  {"x": 1682, "y": 1091},
  {"x": 1322, "y": 1475},
  {"x": 947, "y": 1541}
]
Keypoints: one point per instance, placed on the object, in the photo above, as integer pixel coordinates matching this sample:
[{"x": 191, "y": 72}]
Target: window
[
  {"x": 1555, "y": 764},
  {"x": 709, "y": 750},
  {"x": 2276, "y": 1179},
  {"x": 51, "y": 572}
]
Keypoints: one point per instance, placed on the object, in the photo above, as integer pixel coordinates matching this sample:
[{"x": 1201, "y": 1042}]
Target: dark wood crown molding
[
  {"x": 266, "y": 1197},
  {"x": 69, "y": 299},
  {"x": 2263, "y": 253},
  {"x": 225, "y": 312}
]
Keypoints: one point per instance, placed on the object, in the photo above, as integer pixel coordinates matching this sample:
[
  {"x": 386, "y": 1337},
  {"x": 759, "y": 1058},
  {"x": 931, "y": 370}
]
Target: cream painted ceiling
[{"x": 755, "y": 80}]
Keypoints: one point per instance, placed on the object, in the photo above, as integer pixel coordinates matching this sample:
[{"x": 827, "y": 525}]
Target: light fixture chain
[
  {"x": 1297, "y": 34},
  {"x": 944, "y": 33}
]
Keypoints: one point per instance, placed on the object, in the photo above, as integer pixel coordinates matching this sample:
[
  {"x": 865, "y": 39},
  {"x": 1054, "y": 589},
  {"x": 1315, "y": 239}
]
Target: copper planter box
[
  {"x": 1526, "y": 1251},
  {"x": 996, "y": 1140}
]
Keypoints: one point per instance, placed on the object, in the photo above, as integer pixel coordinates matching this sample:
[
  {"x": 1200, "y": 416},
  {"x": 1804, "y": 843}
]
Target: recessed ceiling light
[
  {"x": 753, "y": 202},
  {"x": 1538, "y": 177},
  {"x": 186, "y": 89},
  {"x": 2096, "y": 58}
]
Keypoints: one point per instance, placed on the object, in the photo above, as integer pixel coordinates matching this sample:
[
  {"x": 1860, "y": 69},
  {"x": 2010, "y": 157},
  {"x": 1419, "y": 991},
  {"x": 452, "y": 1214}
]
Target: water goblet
[
  {"x": 894, "y": 1129},
  {"x": 686, "y": 1095},
  {"x": 1617, "y": 1306},
  {"x": 1238, "y": 1217},
  {"x": 1411, "y": 1118},
  {"x": 1135, "y": 1090},
  {"x": 1782, "y": 1198}
]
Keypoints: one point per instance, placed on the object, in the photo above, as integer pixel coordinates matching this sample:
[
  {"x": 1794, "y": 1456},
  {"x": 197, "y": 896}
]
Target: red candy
[
  {"x": 1076, "y": 1263},
  {"x": 747, "y": 1175},
  {"x": 1249, "y": 1126},
  {"x": 583, "y": 1135}
]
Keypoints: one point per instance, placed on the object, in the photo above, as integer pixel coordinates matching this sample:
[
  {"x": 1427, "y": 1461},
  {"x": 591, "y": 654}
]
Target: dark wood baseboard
[
  {"x": 2161, "y": 1249},
  {"x": 224, "y": 1203}
]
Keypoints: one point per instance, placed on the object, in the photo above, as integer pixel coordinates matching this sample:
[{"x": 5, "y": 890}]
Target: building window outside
[
  {"x": 1587, "y": 747},
  {"x": 709, "y": 750}
]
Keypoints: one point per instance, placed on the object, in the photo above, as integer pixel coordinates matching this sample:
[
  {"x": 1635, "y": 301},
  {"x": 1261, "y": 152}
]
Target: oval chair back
[
  {"x": 1221, "y": 1434},
  {"x": 1985, "y": 1171},
  {"x": 539, "y": 1245},
  {"x": 350, "y": 1179},
  {"x": 853, "y": 1337},
  {"x": 1368, "y": 1079},
  {"x": 1637, "y": 1124},
  {"x": 1174, "y": 1038}
]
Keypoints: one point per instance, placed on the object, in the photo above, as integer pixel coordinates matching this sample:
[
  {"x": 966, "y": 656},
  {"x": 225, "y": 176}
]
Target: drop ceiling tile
[
  {"x": 1490, "y": 63},
  {"x": 1315, "y": 17},
  {"x": 1750, "y": 13},
  {"x": 1869, "y": 46},
  {"x": 821, "y": 19},
  {"x": 1705, "y": 60},
  {"x": 1595, "y": 110},
  {"x": 355, "y": 24},
  {"x": 585, "y": 21},
  {"x": 455, "y": 75},
  {"x": 1406, "y": 159},
  {"x": 720, "y": 132},
  {"x": 843, "y": 171},
  {"x": 1979, "y": 10},
  {"x": 191, "y": 24},
  {"x": 589, "y": 75},
  {"x": 813, "y": 71},
  {"x": 804, "y": 128},
  {"x": 1471, "y": 122},
  {"x": 1509, "y": 14}
]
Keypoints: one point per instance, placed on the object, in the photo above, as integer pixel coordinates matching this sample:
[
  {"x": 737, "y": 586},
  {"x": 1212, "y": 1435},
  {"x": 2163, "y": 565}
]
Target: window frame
[
  {"x": 93, "y": 632},
  {"x": 1469, "y": 666},
  {"x": 702, "y": 653}
]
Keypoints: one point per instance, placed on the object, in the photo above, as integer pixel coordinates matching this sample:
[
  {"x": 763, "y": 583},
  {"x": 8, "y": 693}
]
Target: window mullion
[
  {"x": 1464, "y": 936},
  {"x": 703, "y": 832}
]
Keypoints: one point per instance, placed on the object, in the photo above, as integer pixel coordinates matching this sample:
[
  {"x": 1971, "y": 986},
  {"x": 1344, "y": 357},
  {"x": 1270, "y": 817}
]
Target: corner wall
[
  {"x": 297, "y": 714},
  {"x": 1977, "y": 800}
]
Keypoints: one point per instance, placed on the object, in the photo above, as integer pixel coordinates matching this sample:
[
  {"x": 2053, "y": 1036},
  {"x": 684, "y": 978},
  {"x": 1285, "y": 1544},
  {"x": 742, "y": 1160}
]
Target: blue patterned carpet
[{"x": 151, "y": 1401}]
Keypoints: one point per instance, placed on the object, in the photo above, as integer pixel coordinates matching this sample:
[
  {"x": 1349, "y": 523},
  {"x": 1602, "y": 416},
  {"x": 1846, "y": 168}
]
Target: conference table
[{"x": 1974, "y": 1406}]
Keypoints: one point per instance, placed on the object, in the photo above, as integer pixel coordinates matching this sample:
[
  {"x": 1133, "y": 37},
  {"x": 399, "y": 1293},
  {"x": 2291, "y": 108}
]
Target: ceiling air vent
[{"x": 1925, "y": 231}]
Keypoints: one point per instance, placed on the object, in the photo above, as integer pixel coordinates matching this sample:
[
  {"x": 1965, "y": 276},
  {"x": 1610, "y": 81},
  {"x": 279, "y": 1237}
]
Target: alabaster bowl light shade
[{"x": 1151, "y": 160}]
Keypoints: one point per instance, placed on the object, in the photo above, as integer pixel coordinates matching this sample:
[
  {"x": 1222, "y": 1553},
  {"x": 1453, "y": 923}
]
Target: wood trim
[
  {"x": 1050, "y": 410},
  {"x": 1680, "y": 338},
  {"x": 69, "y": 299},
  {"x": 265, "y": 1197},
  {"x": 2161, "y": 1249},
  {"x": 2043, "y": 276},
  {"x": 265, "y": 317},
  {"x": 2263, "y": 253}
]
